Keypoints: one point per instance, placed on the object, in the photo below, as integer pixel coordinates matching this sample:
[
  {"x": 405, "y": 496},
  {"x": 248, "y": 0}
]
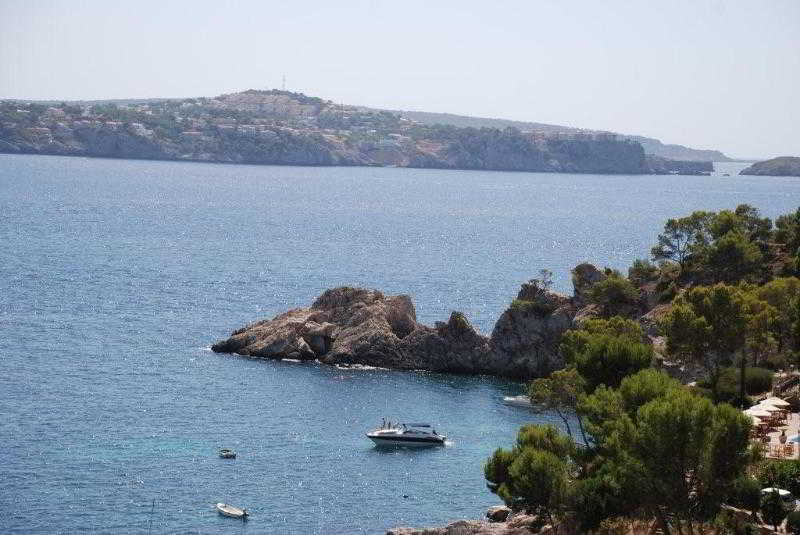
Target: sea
[{"x": 116, "y": 276}]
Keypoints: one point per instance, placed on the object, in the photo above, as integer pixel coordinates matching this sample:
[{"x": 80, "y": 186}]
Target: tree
[
  {"x": 682, "y": 237},
  {"x": 780, "y": 294},
  {"x": 773, "y": 509},
  {"x": 691, "y": 452},
  {"x": 534, "y": 475},
  {"x": 560, "y": 393},
  {"x": 733, "y": 257},
  {"x": 608, "y": 360},
  {"x": 707, "y": 325}
]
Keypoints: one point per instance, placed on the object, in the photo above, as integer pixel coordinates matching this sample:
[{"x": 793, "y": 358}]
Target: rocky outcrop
[
  {"x": 356, "y": 326},
  {"x": 665, "y": 166},
  {"x": 584, "y": 276},
  {"x": 783, "y": 166},
  {"x": 512, "y": 524},
  {"x": 349, "y": 326}
]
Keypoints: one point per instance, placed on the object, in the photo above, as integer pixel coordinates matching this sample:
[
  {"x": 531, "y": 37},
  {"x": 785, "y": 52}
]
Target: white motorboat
[
  {"x": 226, "y": 453},
  {"x": 518, "y": 401},
  {"x": 406, "y": 435},
  {"x": 234, "y": 512}
]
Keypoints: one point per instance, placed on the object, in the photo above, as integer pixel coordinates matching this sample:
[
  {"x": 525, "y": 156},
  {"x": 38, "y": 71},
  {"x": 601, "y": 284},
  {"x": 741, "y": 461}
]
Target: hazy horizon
[{"x": 710, "y": 74}]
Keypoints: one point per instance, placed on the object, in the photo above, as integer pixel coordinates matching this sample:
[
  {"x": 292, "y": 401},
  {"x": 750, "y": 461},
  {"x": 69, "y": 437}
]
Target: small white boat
[
  {"x": 413, "y": 435},
  {"x": 234, "y": 512},
  {"x": 226, "y": 453},
  {"x": 518, "y": 401}
]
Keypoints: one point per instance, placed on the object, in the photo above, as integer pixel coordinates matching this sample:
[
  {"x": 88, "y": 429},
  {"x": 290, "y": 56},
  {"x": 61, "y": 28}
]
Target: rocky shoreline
[{"x": 356, "y": 326}]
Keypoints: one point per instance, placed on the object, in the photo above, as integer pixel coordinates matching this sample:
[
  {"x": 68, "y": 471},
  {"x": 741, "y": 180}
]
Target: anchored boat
[
  {"x": 406, "y": 435},
  {"x": 226, "y": 453},
  {"x": 234, "y": 512}
]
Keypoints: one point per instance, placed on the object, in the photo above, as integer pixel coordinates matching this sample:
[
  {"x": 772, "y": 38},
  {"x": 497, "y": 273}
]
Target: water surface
[{"x": 116, "y": 276}]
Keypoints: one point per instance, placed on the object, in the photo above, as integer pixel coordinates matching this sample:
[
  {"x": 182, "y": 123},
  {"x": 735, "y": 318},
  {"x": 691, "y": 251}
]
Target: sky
[{"x": 719, "y": 74}]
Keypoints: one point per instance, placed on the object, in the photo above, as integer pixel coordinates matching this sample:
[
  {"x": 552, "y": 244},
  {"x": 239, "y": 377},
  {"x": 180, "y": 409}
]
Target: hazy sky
[{"x": 721, "y": 74}]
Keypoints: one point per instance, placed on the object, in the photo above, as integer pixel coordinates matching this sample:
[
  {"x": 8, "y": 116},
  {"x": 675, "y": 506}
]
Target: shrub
[
  {"x": 756, "y": 381},
  {"x": 614, "y": 293},
  {"x": 642, "y": 271},
  {"x": 746, "y": 494},
  {"x": 793, "y": 522},
  {"x": 781, "y": 474},
  {"x": 523, "y": 306},
  {"x": 773, "y": 509}
]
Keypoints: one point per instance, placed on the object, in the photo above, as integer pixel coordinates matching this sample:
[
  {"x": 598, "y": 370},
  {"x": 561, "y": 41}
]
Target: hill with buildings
[{"x": 285, "y": 128}]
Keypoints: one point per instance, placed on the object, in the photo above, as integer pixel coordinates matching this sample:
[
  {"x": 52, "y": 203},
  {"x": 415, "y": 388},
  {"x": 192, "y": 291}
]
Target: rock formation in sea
[
  {"x": 783, "y": 166},
  {"x": 358, "y": 326}
]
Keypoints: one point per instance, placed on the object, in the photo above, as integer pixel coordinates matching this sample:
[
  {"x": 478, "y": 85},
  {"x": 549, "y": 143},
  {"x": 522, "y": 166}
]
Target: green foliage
[
  {"x": 757, "y": 381},
  {"x": 642, "y": 272},
  {"x": 524, "y": 306},
  {"x": 707, "y": 325},
  {"x": 746, "y": 494},
  {"x": 690, "y": 452},
  {"x": 534, "y": 475},
  {"x": 615, "y": 294},
  {"x": 560, "y": 393},
  {"x": 682, "y": 237},
  {"x": 793, "y": 522},
  {"x": 783, "y": 474},
  {"x": 732, "y": 258},
  {"x": 537, "y": 482},
  {"x": 608, "y": 360},
  {"x": 728, "y": 246},
  {"x": 773, "y": 509},
  {"x": 604, "y": 351}
]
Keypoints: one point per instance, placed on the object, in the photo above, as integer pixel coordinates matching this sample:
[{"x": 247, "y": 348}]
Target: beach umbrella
[
  {"x": 756, "y": 419},
  {"x": 777, "y": 402},
  {"x": 768, "y": 407},
  {"x": 758, "y": 412}
]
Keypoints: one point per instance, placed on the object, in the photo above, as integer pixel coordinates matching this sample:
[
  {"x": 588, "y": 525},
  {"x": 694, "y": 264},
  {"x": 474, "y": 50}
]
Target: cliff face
[
  {"x": 663, "y": 166},
  {"x": 783, "y": 166},
  {"x": 276, "y": 127},
  {"x": 356, "y": 326}
]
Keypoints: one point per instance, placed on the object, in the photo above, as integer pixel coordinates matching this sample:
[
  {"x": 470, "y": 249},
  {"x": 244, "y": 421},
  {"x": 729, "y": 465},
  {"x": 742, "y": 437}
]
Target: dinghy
[
  {"x": 234, "y": 512},
  {"x": 225, "y": 453}
]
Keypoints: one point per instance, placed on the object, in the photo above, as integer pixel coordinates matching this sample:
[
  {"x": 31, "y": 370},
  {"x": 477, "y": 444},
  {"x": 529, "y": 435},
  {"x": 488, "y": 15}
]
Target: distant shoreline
[{"x": 219, "y": 162}]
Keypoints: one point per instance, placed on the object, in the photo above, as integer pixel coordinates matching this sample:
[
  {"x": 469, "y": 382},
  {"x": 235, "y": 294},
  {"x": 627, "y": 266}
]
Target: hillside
[
  {"x": 650, "y": 145},
  {"x": 284, "y": 128},
  {"x": 782, "y": 166}
]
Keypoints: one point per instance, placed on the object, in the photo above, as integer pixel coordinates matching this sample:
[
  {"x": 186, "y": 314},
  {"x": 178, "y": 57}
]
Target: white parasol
[{"x": 776, "y": 402}]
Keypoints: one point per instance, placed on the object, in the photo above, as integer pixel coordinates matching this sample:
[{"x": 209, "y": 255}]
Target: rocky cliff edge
[{"x": 358, "y": 326}]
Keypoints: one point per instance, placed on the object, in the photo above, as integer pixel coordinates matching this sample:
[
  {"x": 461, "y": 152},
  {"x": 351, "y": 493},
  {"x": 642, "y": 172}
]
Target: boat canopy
[{"x": 418, "y": 425}]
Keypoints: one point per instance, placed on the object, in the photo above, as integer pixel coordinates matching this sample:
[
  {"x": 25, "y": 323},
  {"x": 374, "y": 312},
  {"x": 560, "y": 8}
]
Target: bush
[
  {"x": 614, "y": 294},
  {"x": 746, "y": 494},
  {"x": 793, "y": 522},
  {"x": 523, "y": 306},
  {"x": 756, "y": 381},
  {"x": 773, "y": 509},
  {"x": 781, "y": 474},
  {"x": 641, "y": 272}
]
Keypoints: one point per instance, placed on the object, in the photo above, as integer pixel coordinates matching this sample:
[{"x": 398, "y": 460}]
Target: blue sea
[{"x": 116, "y": 277}]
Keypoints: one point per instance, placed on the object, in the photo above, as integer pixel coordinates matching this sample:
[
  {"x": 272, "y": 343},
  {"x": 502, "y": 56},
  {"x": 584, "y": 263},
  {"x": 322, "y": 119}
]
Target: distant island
[
  {"x": 284, "y": 128},
  {"x": 783, "y": 166}
]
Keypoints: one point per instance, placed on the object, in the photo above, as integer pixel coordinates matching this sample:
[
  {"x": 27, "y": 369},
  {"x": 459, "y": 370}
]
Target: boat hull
[
  {"x": 413, "y": 442},
  {"x": 231, "y": 511}
]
